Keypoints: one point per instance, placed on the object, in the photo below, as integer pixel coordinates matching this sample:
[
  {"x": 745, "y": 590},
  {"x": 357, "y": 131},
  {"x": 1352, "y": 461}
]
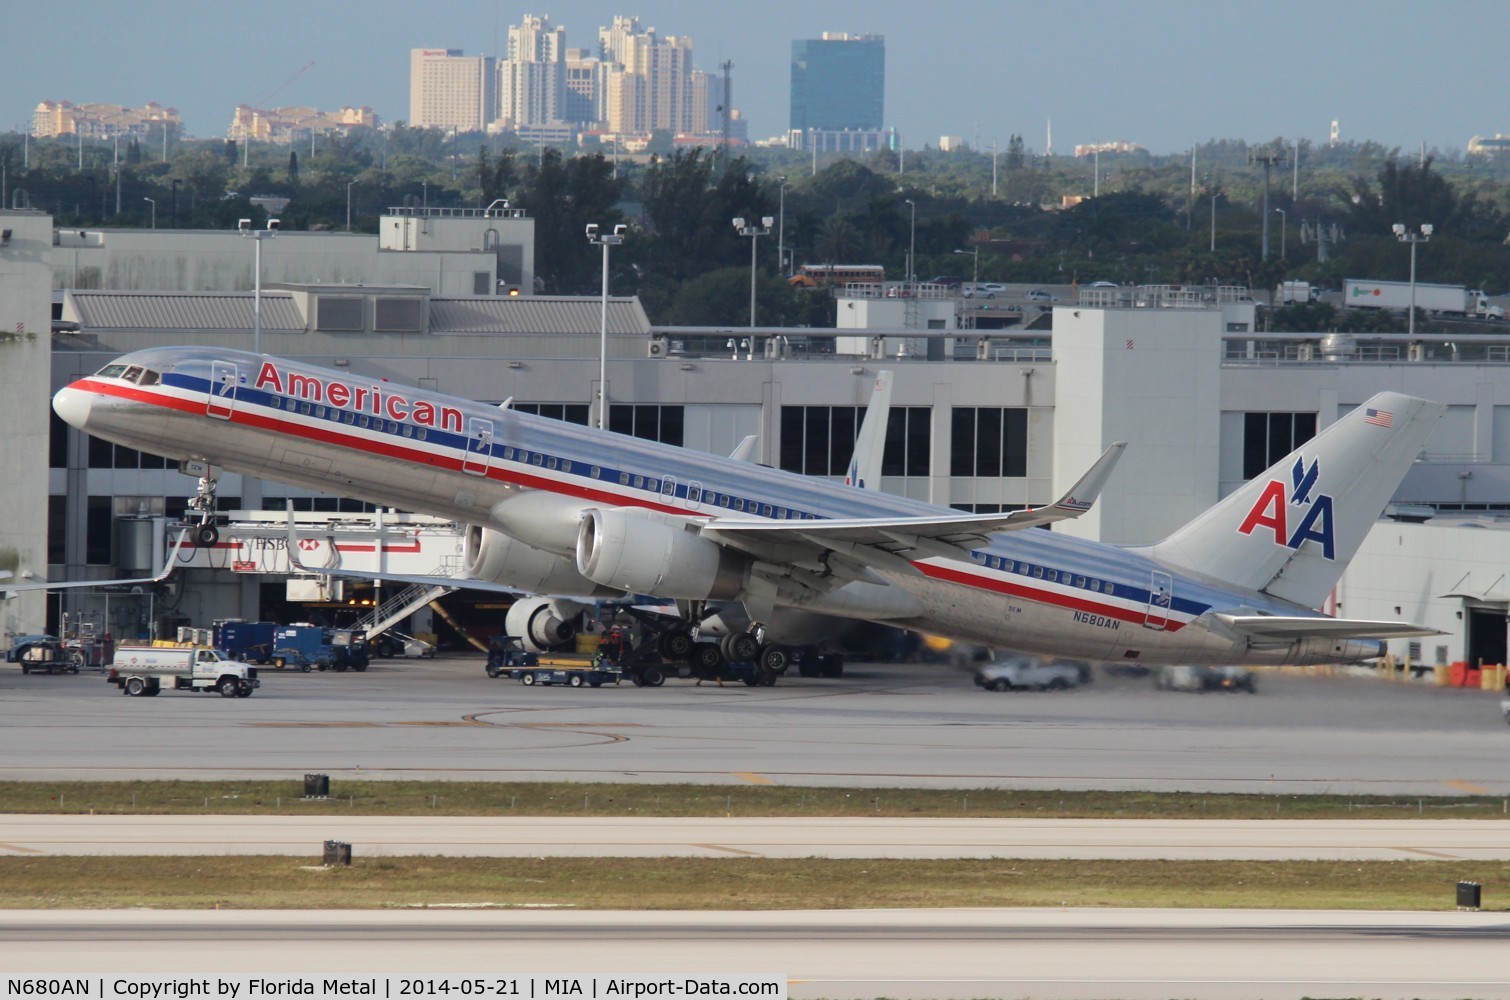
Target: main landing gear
[{"x": 710, "y": 660}]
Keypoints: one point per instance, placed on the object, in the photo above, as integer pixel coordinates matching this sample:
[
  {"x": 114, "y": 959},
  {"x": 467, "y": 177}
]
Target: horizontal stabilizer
[{"x": 1287, "y": 627}]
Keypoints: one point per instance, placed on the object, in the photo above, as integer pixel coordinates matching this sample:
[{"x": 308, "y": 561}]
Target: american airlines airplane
[{"x": 567, "y": 511}]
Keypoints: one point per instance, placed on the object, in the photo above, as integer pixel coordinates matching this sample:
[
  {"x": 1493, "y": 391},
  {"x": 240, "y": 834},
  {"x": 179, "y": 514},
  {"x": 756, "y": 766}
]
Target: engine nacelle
[
  {"x": 644, "y": 553},
  {"x": 543, "y": 623},
  {"x": 497, "y": 558}
]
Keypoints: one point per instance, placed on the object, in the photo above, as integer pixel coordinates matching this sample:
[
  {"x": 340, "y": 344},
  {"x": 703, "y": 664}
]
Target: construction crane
[{"x": 262, "y": 101}]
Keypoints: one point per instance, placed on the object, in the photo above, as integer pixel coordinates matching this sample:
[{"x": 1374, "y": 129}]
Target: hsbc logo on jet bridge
[{"x": 1276, "y": 509}]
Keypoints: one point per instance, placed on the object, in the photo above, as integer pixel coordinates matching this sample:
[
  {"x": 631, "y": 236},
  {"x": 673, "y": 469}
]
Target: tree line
[{"x": 1031, "y": 218}]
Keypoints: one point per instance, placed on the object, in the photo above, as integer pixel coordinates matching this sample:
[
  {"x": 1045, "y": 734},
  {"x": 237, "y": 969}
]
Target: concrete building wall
[
  {"x": 1149, "y": 377},
  {"x": 442, "y": 254},
  {"x": 25, "y": 378}
]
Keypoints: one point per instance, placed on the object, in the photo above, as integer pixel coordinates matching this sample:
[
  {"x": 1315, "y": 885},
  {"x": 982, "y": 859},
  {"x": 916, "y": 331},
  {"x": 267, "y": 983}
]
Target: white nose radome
[{"x": 73, "y": 406}]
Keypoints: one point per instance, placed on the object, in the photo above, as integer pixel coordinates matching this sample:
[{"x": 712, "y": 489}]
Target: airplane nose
[{"x": 72, "y": 405}]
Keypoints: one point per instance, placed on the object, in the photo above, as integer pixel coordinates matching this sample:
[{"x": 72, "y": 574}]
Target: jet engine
[
  {"x": 642, "y": 553},
  {"x": 498, "y": 558},
  {"x": 543, "y": 623}
]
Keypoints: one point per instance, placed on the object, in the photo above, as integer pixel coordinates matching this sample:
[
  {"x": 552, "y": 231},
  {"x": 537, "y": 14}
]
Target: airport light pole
[
  {"x": 754, "y": 232},
  {"x": 154, "y": 211},
  {"x": 606, "y": 241},
  {"x": 975, "y": 269},
  {"x": 781, "y": 233},
  {"x": 348, "y": 205},
  {"x": 256, "y": 236},
  {"x": 1405, "y": 236},
  {"x": 1283, "y": 220},
  {"x": 912, "y": 245}
]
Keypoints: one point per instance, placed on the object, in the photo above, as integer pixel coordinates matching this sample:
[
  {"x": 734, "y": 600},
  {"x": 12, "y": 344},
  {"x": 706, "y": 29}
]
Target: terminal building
[{"x": 982, "y": 419}]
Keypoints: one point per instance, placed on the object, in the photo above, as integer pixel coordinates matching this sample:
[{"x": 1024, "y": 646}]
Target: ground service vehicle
[
  {"x": 1451, "y": 300},
  {"x": 1201, "y": 679},
  {"x": 1022, "y": 672},
  {"x": 570, "y": 676},
  {"x": 395, "y": 643},
  {"x": 44, "y": 654},
  {"x": 251, "y": 641},
  {"x": 146, "y": 670}
]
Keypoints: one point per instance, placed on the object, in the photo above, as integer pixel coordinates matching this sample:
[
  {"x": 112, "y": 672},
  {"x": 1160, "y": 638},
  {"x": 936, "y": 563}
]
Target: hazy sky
[{"x": 1162, "y": 73}]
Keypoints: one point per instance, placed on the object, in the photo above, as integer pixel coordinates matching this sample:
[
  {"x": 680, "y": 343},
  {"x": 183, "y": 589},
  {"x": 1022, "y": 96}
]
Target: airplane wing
[
  {"x": 1287, "y": 627},
  {"x": 914, "y": 537},
  {"x": 169, "y": 565}
]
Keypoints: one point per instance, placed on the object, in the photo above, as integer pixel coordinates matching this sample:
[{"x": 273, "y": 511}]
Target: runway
[
  {"x": 880, "y": 726},
  {"x": 707, "y": 837},
  {"x": 1133, "y": 955}
]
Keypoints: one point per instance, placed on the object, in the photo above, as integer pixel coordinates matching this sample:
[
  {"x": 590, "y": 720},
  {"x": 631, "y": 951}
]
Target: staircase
[{"x": 400, "y": 606}]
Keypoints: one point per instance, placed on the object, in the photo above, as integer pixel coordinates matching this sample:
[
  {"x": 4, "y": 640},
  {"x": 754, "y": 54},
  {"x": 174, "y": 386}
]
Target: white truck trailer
[
  {"x": 1298, "y": 291},
  {"x": 1451, "y": 300},
  {"x": 146, "y": 670}
]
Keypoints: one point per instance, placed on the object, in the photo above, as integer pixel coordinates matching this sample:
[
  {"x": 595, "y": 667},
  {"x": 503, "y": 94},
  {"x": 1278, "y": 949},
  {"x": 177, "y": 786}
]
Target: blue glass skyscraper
[{"x": 838, "y": 82}]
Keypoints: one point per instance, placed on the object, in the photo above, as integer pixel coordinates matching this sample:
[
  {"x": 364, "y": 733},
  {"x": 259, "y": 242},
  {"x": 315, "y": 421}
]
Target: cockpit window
[{"x": 131, "y": 373}]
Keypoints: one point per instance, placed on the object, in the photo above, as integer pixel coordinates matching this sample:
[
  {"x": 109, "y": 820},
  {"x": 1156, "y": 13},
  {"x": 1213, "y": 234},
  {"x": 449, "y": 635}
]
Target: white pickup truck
[{"x": 146, "y": 670}]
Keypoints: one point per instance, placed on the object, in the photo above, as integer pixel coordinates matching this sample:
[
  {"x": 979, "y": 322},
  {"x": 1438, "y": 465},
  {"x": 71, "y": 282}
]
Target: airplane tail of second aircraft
[{"x": 1290, "y": 531}]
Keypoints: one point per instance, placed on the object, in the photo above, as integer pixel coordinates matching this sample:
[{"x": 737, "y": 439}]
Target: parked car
[
  {"x": 1026, "y": 673},
  {"x": 1039, "y": 295}
]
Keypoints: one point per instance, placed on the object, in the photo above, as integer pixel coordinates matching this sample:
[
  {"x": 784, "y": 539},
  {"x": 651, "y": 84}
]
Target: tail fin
[
  {"x": 865, "y": 465},
  {"x": 1291, "y": 531}
]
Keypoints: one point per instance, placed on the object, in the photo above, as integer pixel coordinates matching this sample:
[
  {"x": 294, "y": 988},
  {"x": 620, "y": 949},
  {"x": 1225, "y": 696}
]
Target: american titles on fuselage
[{"x": 376, "y": 400}]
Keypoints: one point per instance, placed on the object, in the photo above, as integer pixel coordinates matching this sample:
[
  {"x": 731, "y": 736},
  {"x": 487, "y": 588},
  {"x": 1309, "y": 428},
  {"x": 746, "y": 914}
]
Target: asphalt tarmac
[{"x": 881, "y": 725}]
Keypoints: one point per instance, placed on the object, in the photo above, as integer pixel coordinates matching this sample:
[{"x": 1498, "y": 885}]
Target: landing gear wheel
[
  {"x": 741, "y": 646},
  {"x": 206, "y": 536},
  {"x": 773, "y": 660},
  {"x": 705, "y": 656},
  {"x": 675, "y": 645}
]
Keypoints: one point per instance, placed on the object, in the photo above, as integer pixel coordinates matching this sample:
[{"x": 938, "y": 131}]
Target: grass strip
[
  {"x": 237, "y": 882},
  {"x": 496, "y": 798}
]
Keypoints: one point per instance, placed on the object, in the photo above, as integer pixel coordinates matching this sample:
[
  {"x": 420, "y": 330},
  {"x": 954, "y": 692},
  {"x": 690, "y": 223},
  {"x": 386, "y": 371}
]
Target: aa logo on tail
[{"x": 1312, "y": 515}]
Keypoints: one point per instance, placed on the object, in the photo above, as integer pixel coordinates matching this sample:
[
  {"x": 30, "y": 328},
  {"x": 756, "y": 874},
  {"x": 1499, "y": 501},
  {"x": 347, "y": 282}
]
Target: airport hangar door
[{"x": 1488, "y": 632}]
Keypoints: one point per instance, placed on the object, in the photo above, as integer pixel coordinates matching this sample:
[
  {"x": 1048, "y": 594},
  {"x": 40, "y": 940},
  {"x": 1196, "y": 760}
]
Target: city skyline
[{"x": 1164, "y": 76}]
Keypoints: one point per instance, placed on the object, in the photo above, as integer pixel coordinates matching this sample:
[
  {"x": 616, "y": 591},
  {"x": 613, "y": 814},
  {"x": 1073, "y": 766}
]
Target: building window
[
  {"x": 820, "y": 440},
  {"x": 57, "y": 529},
  {"x": 572, "y": 413},
  {"x": 98, "y": 525},
  {"x": 57, "y": 443},
  {"x": 651, "y": 422},
  {"x": 989, "y": 441},
  {"x": 1268, "y": 437}
]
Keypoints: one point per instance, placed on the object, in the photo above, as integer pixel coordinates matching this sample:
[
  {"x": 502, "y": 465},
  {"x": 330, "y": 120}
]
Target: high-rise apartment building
[
  {"x": 452, "y": 91},
  {"x": 647, "y": 79},
  {"x": 838, "y": 83},
  {"x": 532, "y": 79}
]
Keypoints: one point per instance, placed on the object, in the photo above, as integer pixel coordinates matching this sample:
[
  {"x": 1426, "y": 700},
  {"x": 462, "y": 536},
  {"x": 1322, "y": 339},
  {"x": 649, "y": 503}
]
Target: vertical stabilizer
[
  {"x": 1291, "y": 531},
  {"x": 870, "y": 443}
]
